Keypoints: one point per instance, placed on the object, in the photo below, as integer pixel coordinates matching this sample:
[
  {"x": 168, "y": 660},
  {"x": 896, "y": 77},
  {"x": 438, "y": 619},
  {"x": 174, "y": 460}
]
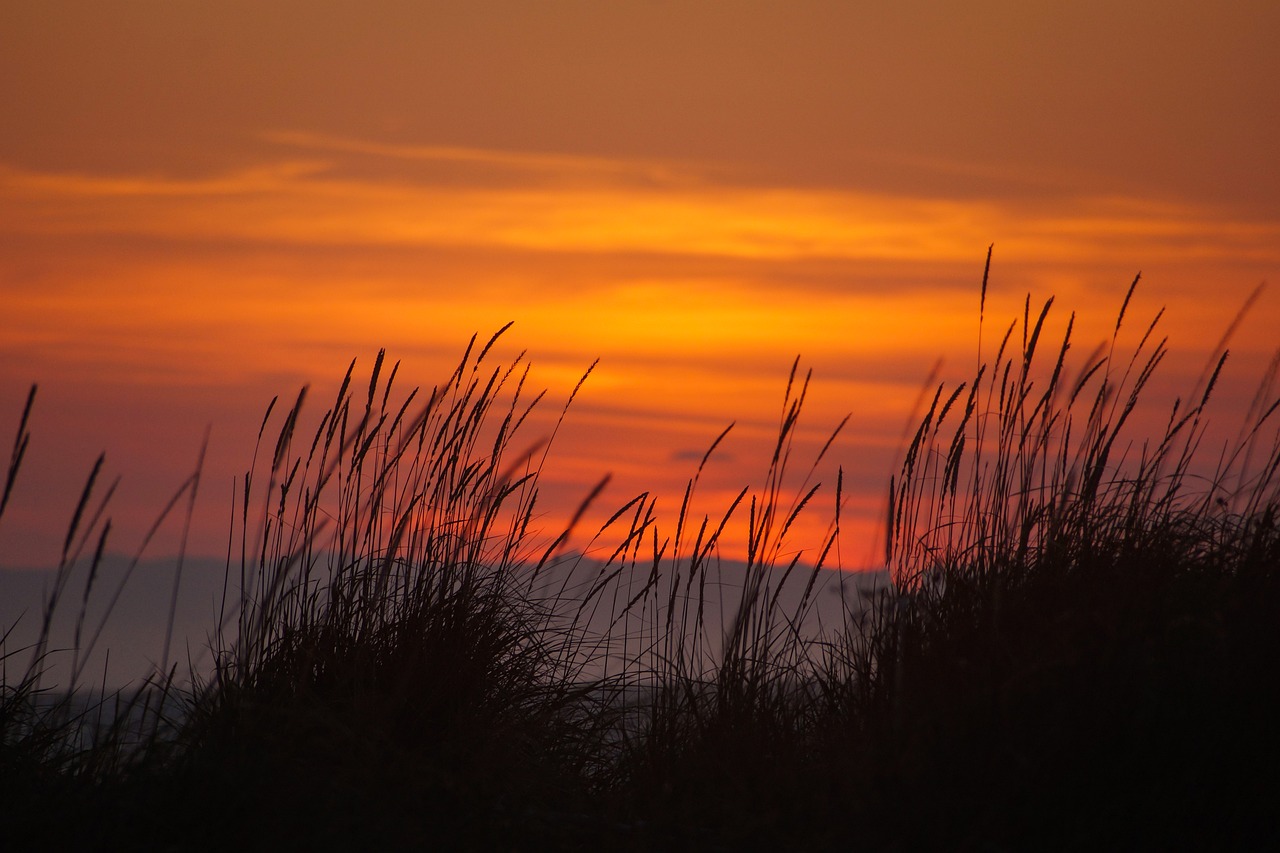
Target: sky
[{"x": 205, "y": 205}]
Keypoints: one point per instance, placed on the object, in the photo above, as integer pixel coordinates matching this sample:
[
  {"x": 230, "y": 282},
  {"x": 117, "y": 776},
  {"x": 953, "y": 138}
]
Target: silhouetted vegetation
[{"x": 1077, "y": 649}]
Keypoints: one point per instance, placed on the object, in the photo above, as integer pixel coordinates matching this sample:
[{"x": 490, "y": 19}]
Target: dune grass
[{"x": 1077, "y": 648}]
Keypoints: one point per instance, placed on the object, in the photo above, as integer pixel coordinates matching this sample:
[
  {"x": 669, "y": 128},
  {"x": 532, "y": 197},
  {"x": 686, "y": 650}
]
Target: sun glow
[{"x": 694, "y": 293}]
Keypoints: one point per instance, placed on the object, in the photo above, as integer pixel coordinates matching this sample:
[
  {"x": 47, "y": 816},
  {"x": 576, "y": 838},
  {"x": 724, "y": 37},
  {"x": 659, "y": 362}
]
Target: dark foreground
[{"x": 1079, "y": 651}]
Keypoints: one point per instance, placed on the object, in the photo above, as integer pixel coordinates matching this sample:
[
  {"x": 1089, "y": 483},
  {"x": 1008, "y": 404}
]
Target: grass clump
[
  {"x": 1080, "y": 646},
  {"x": 1075, "y": 649},
  {"x": 392, "y": 675}
]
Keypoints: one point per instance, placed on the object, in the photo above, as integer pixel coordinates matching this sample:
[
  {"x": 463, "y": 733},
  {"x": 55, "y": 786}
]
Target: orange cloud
[{"x": 310, "y": 202}]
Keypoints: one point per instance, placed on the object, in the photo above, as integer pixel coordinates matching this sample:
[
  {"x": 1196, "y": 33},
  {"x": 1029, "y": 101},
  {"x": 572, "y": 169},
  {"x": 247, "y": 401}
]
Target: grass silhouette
[{"x": 1077, "y": 648}]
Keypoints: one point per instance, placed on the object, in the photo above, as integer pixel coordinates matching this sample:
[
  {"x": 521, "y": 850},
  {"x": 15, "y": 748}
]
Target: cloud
[
  {"x": 695, "y": 456},
  {"x": 307, "y": 202},
  {"x": 563, "y": 167}
]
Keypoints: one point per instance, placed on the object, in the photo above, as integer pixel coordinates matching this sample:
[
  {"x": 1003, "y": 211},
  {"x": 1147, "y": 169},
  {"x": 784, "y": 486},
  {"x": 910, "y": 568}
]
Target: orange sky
[{"x": 205, "y": 205}]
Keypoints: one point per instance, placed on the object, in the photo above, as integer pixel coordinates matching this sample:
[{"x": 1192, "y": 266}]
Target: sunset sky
[{"x": 204, "y": 205}]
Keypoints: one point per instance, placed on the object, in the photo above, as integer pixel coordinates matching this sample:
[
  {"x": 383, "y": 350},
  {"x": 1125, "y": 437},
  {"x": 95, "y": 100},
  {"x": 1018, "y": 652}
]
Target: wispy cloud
[
  {"x": 67, "y": 187},
  {"x": 566, "y": 167},
  {"x": 308, "y": 202}
]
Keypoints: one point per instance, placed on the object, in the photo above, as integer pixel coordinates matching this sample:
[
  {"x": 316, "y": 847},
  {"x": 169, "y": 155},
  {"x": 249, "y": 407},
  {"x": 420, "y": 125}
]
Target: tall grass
[
  {"x": 1086, "y": 616},
  {"x": 387, "y": 656},
  {"x": 65, "y": 747},
  {"x": 1076, "y": 648}
]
